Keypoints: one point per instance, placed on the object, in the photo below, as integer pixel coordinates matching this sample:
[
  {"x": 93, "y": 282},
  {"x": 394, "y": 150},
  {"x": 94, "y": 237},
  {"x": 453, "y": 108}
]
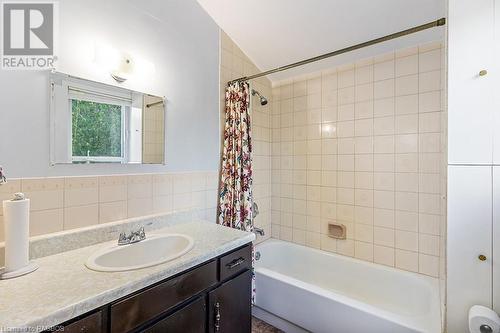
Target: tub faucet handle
[
  {"x": 255, "y": 209},
  {"x": 259, "y": 231}
]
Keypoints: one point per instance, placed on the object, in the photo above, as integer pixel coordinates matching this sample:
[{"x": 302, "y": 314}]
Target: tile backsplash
[
  {"x": 64, "y": 203},
  {"x": 361, "y": 145}
]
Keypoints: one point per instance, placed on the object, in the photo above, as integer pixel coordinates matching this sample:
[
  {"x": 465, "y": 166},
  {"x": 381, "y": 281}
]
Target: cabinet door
[
  {"x": 469, "y": 235},
  {"x": 230, "y": 306},
  {"x": 89, "y": 324},
  {"x": 189, "y": 319},
  {"x": 470, "y": 96},
  {"x": 138, "y": 309}
]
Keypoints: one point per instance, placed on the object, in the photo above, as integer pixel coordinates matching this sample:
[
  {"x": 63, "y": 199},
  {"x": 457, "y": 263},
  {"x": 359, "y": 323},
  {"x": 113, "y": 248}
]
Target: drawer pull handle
[
  {"x": 217, "y": 317},
  {"x": 235, "y": 263}
]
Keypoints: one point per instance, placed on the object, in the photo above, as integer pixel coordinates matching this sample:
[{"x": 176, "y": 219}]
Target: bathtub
[{"x": 303, "y": 289}]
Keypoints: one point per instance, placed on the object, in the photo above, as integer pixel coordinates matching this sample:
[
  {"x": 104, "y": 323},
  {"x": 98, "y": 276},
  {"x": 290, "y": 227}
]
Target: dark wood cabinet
[
  {"x": 230, "y": 306},
  {"x": 189, "y": 319},
  {"x": 89, "y": 324},
  {"x": 235, "y": 262},
  {"x": 137, "y": 309},
  {"x": 212, "y": 297}
]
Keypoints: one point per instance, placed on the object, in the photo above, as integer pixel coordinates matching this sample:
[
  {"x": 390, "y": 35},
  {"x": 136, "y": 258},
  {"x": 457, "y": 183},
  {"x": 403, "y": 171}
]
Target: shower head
[{"x": 263, "y": 100}]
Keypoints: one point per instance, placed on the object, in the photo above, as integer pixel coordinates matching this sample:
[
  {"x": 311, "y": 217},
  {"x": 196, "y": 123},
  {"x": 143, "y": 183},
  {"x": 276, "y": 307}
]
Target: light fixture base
[{"x": 118, "y": 79}]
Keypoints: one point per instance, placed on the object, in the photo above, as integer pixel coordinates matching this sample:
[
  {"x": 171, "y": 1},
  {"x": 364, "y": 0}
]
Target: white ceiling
[{"x": 277, "y": 32}]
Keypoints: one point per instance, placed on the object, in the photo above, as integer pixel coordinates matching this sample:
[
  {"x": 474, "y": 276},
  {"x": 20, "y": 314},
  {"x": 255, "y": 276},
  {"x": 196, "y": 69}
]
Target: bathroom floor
[{"x": 259, "y": 326}]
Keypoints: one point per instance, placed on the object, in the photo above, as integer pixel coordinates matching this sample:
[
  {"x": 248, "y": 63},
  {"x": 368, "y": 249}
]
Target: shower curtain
[{"x": 235, "y": 195}]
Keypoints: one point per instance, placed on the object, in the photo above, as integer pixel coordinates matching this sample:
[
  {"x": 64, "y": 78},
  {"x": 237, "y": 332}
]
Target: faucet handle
[
  {"x": 142, "y": 233},
  {"x": 122, "y": 238}
]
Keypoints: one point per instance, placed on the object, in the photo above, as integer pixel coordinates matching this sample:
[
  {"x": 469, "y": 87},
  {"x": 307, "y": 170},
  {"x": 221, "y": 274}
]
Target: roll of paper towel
[
  {"x": 16, "y": 222},
  {"x": 483, "y": 320}
]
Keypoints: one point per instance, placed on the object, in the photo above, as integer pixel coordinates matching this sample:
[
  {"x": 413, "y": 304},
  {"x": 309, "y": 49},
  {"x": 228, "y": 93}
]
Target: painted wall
[{"x": 178, "y": 37}]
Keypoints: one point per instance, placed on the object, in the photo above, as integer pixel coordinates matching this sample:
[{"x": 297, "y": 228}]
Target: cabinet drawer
[
  {"x": 138, "y": 309},
  {"x": 235, "y": 262},
  {"x": 89, "y": 324},
  {"x": 189, "y": 319}
]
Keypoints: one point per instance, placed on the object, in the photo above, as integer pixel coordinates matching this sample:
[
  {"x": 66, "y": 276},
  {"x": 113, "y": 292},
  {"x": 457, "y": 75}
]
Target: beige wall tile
[
  {"x": 46, "y": 221},
  {"x": 112, "y": 211},
  {"x": 2, "y": 229},
  {"x": 406, "y": 240},
  {"x": 79, "y": 191},
  {"x": 428, "y": 244},
  {"x": 407, "y": 260},
  {"x": 383, "y": 255},
  {"x": 384, "y": 70},
  {"x": 384, "y": 107},
  {"x": 44, "y": 193},
  {"x": 345, "y": 247},
  {"x": 384, "y": 236},
  {"x": 363, "y": 251},
  {"x": 407, "y": 65},
  {"x": 80, "y": 216},
  {"x": 140, "y": 186},
  {"x": 139, "y": 207},
  {"x": 369, "y": 158},
  {"x": 112, "y": 188},
  {"x": 428, "y": 265},
  {"x": 43, "y": 200},
  {"x": 408, "y": 104}
]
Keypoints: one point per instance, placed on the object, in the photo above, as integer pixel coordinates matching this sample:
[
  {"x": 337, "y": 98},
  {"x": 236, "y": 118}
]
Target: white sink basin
[{"x": 154, "y": 250}]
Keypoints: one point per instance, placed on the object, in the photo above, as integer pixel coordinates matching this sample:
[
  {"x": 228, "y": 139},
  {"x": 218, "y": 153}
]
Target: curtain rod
[{"x": 437, "y": 23}]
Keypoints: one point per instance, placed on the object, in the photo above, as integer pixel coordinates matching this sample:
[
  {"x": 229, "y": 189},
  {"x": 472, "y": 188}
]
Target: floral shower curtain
[{"x": 235, "y": 195}]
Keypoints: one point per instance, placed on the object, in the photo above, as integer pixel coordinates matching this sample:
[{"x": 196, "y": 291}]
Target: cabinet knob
[
  {"x": 482, "y": 257},
  {"x": 483, "y": 72}
]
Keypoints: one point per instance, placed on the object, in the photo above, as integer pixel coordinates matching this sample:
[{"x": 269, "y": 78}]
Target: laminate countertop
[{"x": 63, "y": 287}]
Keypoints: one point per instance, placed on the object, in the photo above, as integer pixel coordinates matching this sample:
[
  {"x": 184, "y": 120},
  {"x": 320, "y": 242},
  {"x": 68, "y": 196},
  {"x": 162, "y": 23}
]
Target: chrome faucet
[
  {"x": 133, "y": 237},
  {"x": 259, "y": 231}
]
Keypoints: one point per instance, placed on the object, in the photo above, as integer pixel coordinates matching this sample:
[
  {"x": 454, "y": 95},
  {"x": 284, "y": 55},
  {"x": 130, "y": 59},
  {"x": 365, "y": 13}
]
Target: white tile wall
[{"x": 361, "y": 145}]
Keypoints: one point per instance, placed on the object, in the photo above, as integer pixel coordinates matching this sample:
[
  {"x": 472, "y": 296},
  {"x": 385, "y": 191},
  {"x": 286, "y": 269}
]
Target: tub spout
[{"x": 259, "y": 231}]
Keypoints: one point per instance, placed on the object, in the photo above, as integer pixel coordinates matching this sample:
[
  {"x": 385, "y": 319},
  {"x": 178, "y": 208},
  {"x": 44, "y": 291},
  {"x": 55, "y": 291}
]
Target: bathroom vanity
[
  {"x": 208, "y": 289},
  {"x": 212, "y": 297}
]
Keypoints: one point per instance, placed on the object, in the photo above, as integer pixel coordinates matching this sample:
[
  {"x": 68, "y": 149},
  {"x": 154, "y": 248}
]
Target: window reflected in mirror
[{"x": 98, "y": 123}]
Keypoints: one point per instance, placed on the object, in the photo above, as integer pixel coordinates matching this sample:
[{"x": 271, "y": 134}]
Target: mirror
[{"x": 94, "y": 122}]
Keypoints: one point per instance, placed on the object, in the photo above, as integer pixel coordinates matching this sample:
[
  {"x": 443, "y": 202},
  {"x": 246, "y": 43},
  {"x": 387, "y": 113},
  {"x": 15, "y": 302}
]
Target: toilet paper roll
[
  {"x": 481, "y": 317},
  {"x": 16, "y": 223}
]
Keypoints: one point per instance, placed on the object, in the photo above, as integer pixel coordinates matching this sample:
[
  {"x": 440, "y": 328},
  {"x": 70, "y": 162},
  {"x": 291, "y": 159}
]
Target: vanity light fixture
[
  {"x": 124, "y": 70},
  {"x": 122, "y": 66}
]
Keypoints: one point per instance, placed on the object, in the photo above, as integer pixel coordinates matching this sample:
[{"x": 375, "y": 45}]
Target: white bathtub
[{"x": 323, "y": 292}]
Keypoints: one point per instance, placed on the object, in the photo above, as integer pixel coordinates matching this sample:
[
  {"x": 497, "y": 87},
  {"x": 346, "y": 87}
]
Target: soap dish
[
  {"x": 337, "y": 231},
  {"x": 31, "y": 267}
]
